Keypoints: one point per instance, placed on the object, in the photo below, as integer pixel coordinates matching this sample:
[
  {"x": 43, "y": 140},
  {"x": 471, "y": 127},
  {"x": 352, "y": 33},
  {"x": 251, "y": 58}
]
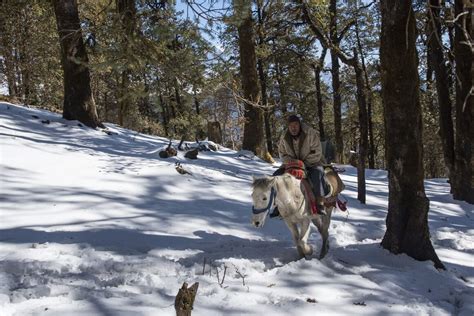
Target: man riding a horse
[
  {"x": 301, "y": 153},
  {"x": 301, "y": 143}
]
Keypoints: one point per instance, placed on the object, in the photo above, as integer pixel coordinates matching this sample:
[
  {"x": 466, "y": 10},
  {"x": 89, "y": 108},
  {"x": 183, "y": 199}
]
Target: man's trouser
[{"x": 315, "y": 175}]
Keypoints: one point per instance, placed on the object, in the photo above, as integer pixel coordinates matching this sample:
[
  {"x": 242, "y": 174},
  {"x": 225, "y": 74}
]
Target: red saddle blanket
[
  {"x": 296, "y": 169},
  {"x": 310, "y": 196}
]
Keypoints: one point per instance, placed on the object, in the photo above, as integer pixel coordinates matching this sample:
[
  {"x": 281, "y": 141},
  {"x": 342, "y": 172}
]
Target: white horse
[{"x": 287, "y": 193}]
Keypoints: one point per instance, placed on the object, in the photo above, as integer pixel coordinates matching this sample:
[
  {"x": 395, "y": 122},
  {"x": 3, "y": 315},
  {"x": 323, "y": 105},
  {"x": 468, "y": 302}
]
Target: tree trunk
[
  {"x": 368, "y": 97},
  {"x": 196, "y": 103},
  {"x": 372, "y": 148},
  {"x": 171, "y": 104},
  {"x": 266, "y": 113},
  {"x": 319, "y": 97},
  {"x": 184, "y": 300},
  {"x": 363, "y": 140},
  {"x": 165, "y": 114},
  {"x": 463, "y": 186},
  {"x": 407, "y": 218},
  {"x": 439, "y": 66},
  {"x": 253, "y": 128},
  {"x": 6, "y": 50},
  {"x": 144, "y": 105},
  {"x": 336, "y": 84},
  {"x": 282, "y": 89},
  {"x": 214, "y": 132},
  {"x": 127, "y": 12},
  {"x": 177, "y": 94},
  {"x": 124, "y": 101},
  {"x": 23, "y": 60},
  {"x": 78, "y": 100},
  {"x": 263, "y": 80}
]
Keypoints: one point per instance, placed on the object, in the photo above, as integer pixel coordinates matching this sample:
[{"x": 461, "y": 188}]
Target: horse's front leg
[
  {"x": 296, "y": 238},
  {"x": 304, "y": 234},
  {"x": 322, "y": 223}
]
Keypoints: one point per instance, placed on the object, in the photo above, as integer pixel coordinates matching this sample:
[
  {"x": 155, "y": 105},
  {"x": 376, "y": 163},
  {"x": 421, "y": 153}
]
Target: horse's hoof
[
  {"x": 300, "y": 253},
  {"x": 323, "y": 254}
]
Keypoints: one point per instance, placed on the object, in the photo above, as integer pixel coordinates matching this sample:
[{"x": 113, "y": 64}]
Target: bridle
[{"x": 257, "y": 211}]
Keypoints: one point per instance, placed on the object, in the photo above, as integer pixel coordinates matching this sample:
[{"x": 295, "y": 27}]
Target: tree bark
[
  {"x": 177, "y": 95},
  {"x": 463, "y": 186},
  {"x": 127, "y": 14},
  {"x": 144, "y": 105},
  {"x": 253, "y": 128},
  {"x": 317, "y": 68},
  {"x": 214, "y": 132},
  {"x": 363, "y": 140},
  {"x": 24, "y": 62},
  {"x": 165, "y": 114},
  {"x": 336, "y": 83},
  {"x": 262, "y": 74},
  {"x": 282, "y": 89},
  {"x": 184, "y": 301},
  {"x": 440, "y": 69},
  {"x": 78, "y": 100},
  {"x": 196, "y": 103},
  {"x": 267, "y": 112},
  {"x": 368, "y": 96},
  {"x": 6, "y": 50},
  {"x": 407, "y": 218}
]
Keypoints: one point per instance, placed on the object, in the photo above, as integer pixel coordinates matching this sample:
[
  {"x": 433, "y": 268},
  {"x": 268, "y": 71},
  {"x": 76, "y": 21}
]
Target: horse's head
[{"x": 263, "y": 197}]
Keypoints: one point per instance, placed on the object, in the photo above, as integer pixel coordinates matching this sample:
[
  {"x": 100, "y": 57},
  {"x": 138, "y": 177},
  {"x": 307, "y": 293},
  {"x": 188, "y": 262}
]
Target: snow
[{"x": 98, "y": 224}]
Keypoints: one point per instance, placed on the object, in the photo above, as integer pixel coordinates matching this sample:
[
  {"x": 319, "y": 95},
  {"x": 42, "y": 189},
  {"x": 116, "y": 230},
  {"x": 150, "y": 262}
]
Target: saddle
[{"x": 331, "y": 178}]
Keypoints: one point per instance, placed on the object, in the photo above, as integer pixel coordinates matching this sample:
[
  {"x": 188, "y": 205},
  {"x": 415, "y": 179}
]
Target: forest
[{"x": 96, "y": 95}]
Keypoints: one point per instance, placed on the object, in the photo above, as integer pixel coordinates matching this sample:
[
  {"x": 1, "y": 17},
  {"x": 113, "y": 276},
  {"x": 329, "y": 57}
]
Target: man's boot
[{"x": 322, "y": 210}]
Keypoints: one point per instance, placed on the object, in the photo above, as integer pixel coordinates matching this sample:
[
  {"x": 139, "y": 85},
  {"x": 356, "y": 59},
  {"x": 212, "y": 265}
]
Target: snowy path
[{"x": 97, "y": 224}]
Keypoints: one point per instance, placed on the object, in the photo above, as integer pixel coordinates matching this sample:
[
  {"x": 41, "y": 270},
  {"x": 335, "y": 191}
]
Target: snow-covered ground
[{"x": 98, "y": 224}]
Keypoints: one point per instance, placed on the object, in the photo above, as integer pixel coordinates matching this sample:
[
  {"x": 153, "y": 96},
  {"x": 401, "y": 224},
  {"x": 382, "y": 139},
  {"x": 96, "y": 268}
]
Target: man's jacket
[{"x": 307, "y": 147}]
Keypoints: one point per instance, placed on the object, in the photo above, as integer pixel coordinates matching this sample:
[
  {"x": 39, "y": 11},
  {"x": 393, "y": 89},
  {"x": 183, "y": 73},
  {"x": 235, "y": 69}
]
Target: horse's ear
[
  {"x": 258, "y": 178},
  {"x": 254, "y": 178},
  {"x": 270, "y": 179}
]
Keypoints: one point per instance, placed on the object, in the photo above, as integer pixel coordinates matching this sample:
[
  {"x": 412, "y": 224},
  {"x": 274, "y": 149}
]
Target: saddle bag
[{"x": 332, "y": 178}]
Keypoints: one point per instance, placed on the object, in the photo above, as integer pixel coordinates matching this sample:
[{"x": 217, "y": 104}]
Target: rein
[{"x": 270, "y": 203}]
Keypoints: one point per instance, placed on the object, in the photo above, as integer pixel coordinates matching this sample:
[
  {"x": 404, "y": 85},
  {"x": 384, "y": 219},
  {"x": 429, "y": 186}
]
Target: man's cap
[{"x": 294, "y": 118}]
